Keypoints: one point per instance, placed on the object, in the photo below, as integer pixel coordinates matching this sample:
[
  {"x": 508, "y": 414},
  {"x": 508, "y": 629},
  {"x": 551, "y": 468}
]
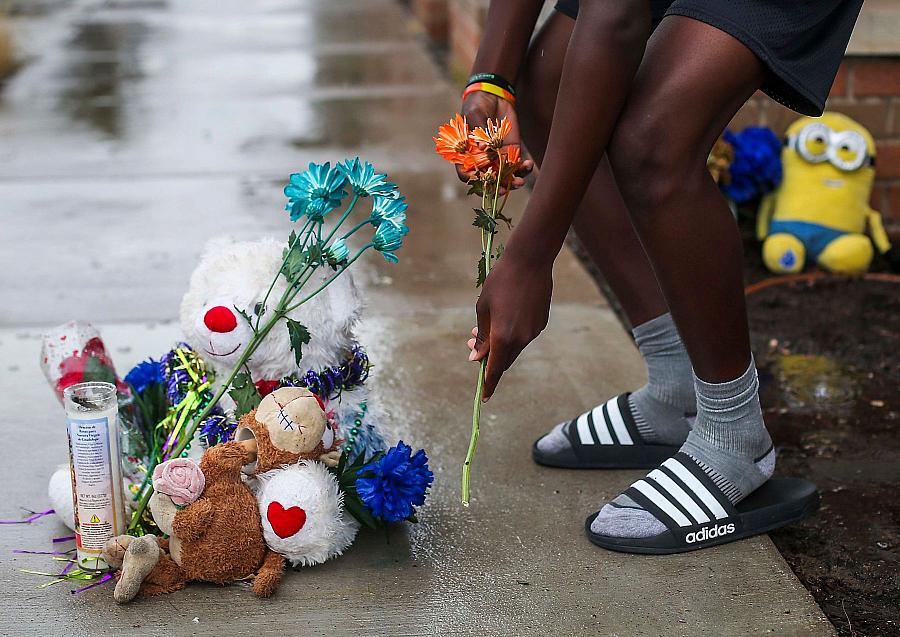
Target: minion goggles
[{"x": 817, "y": 143}]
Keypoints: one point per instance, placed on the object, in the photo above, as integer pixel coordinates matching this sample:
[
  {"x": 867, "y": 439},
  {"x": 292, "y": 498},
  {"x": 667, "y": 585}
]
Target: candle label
[{"x": 98, "y": 512}]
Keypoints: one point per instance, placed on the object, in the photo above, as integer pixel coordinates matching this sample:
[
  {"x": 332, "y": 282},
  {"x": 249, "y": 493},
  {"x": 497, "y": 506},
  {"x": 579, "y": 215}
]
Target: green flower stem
[
  {"x": 283, "y": 262},
  {"x": 361, "y": 224},
  {"x": 343, "y": 218},
  {"x": 487, "y": 243},
  {"x": 328, "y": 282}
]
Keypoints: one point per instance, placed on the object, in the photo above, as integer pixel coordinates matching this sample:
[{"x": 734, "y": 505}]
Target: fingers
[
  {"x": 482, "y": 332},
  {"x": 501, "y": 355}
]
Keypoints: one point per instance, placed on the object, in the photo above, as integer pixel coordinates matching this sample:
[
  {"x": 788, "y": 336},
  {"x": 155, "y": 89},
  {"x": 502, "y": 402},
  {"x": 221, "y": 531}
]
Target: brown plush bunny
[{"x": 216, "y": 537}]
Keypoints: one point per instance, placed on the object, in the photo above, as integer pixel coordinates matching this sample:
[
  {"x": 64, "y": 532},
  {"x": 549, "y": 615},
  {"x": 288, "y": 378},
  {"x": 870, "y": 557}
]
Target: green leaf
[
  {"x": 475, "y": 188},
  {"x": 482, "y": 271},
  {"x": 299, "y": 337},
  {"x": 484, "y": 221},
  {"x": 244, "y": 314},
  {"x": 96, "y": 371},
  {"x": 502, "y": 217},
  {"x": 243, "y": 392},
  {"x": 499, "y": 251}
]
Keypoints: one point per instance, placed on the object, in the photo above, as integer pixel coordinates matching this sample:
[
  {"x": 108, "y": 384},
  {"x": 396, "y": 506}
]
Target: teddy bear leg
[
  {"x": 166, "y": 577},
  {"x": 783, "y": 253},
  {"x": 141, "y": 557},
  {"x": 848, "y": 254},
  {"x": 114, "y": 550},
  {"x": 269, "y": 576}
]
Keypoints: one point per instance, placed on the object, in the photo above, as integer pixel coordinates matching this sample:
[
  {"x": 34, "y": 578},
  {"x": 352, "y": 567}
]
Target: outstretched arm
[
  {"x": 604, "y": 52},
  {"x": 191, "y": 522}
]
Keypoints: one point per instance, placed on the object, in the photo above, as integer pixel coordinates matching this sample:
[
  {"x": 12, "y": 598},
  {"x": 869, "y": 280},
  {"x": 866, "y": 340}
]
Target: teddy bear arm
[
  {"x": 331, "y": 459},
  {"x": 191, "y": 522}
]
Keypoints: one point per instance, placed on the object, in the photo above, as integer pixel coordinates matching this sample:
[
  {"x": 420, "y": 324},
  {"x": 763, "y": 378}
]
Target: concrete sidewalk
[{"x": 138, "y": 129}]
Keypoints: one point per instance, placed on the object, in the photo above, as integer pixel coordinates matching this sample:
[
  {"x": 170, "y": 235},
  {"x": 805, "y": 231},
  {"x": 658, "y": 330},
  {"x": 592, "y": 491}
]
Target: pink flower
[{"x": 181, "y": 479}]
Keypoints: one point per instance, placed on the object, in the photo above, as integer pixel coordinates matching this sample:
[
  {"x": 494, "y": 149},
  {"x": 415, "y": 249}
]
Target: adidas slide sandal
[
  {"x": 605, "y": 437},
  {"x": 697, "y": 514}
]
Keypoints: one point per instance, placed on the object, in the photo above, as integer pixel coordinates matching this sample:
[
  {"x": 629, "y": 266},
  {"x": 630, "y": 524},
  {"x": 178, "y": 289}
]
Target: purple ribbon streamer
[
  {"x": 102, "y": 580},
  {"x": 68, "y": 568},
  {"x": 30, "y": 518},
  {"x": 65, "y": 538}
]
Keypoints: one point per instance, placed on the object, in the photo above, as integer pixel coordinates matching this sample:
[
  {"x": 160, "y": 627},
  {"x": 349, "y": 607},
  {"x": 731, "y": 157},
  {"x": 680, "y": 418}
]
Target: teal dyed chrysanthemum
[
  {"x": 365, "y": 181},
  {"x": 337, "y": 253},
  {"x": 391, "y": 211},
  {"x": 389, "y": 238},
  {"x": 316, "y": 192}
]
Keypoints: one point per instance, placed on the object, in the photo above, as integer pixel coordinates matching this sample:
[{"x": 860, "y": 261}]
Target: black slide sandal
[
  {"x": 697, "y": 514},
  {"x": 605, "y": 438}
]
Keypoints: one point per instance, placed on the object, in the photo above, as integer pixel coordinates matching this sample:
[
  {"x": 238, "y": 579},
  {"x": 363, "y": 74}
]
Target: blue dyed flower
[
  {"x": 392, "y": 211},
  {"x": 315, "y": 192},
  {"x": 396, "y": 483},
  {"x": 756, "y": 169},
  {"x": 337, "y": 253},
  {"x": 144, "y": 374},
  {"x": 365, "y": 181},
  {"x": 389, "y": 238}
]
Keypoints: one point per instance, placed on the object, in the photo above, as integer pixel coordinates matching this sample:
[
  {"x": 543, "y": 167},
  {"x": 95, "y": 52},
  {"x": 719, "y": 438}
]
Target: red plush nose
[{"x": 220, "y": 319}]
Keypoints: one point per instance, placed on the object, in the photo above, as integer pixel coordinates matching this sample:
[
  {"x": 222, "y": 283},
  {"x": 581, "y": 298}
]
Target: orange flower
[
  {"x": 493, "y": 133},
  {"x": 475, "y": 159},
  {"x": 513, "y": 155},
  {"x": 452, "y": 141}
]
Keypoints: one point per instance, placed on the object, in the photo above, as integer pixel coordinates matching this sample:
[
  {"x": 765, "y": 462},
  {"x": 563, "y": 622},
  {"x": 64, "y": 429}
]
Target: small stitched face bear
[{"x": 289, "y": 425}]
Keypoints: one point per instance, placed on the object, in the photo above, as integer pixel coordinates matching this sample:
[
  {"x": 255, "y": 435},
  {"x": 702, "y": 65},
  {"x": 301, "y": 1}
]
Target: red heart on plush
[{"x": 285, "y": 522}]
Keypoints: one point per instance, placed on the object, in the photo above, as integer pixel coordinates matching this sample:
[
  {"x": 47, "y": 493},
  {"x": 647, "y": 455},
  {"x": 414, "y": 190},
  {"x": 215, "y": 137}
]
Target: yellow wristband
[{"x": 493, "y": 89}]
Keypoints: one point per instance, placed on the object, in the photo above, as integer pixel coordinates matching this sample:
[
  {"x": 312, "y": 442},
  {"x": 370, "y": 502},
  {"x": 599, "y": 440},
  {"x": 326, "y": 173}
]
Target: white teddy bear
[{"x": 235, "y": 275}]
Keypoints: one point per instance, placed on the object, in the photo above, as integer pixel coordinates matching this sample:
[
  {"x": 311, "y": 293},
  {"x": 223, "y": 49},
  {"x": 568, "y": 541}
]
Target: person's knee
[
  {"x": 649, "y": 166},
  {"x": 621, "y": 23}
]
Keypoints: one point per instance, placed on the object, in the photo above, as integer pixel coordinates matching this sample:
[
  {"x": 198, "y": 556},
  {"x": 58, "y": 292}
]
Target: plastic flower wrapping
[{"x": 172, "y": 408}]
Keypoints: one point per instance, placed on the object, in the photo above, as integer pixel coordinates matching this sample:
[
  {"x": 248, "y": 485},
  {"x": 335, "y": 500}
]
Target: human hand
[
  {"x": 513, "y": 310},
  {"x": 477, "y": 108}
]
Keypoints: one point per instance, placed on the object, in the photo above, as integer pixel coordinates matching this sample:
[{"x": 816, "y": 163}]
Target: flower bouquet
[{"x": 492, "y": 165}]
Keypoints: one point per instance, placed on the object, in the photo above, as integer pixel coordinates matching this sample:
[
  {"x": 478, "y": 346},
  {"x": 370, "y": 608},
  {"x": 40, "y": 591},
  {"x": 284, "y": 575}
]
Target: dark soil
[{"x": 830, "y": 381}]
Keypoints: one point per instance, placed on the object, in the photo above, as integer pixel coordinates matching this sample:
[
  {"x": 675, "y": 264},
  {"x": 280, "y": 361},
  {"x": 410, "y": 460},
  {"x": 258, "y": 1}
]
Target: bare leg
[
  {"x": 602, "y": 222},
  {"x": 691, "y": 82},
  {"x": 604, "y": 227}
]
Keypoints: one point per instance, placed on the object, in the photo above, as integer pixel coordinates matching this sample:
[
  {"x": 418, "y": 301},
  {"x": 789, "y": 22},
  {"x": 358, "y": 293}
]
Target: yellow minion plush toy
[{"x": 821, "y": 210}]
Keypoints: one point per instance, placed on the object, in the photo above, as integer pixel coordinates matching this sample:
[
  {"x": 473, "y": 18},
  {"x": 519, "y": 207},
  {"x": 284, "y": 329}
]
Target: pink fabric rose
[{"x": 181, "y": 479}]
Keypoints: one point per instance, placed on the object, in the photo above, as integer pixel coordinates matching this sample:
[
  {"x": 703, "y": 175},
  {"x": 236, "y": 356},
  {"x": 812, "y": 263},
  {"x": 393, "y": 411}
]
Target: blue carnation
[
  {"x": 393, "y": 211},
  {"x": 389, "y": 238},
  {"x": 395, "y": 483},
  {"x": 144, "y": 374},
  {"x": 756, "y": 169}
]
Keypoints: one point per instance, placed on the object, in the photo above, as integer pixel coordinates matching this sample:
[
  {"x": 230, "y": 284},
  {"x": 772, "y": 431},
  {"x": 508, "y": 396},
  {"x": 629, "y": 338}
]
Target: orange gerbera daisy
[
  {"x": 493, "y": 133},
  {"x": 452, "y": 141}
]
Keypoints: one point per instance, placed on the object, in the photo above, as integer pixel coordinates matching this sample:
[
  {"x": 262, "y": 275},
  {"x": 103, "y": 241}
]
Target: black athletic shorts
[{"x": 801, "y": 42}]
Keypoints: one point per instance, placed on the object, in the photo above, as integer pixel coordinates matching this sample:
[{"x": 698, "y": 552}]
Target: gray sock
[
  {"x": 730, "y": 443},
  {"x": 660, "y": 407}
]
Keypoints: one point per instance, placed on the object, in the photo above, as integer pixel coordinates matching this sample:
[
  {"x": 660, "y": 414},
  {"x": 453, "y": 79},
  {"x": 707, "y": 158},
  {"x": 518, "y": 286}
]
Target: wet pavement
[{"x": 135, "y": 131}]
